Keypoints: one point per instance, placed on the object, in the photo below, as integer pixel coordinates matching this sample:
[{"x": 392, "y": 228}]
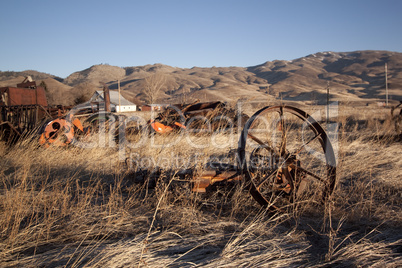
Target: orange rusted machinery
[
  {"x": 65, "y": 128},
  {"x": 60, "y": 132},
  {"x": 211, "y": 115},
  {"x": 24, "y": 109},
  {"x": 215, "y": 173}
]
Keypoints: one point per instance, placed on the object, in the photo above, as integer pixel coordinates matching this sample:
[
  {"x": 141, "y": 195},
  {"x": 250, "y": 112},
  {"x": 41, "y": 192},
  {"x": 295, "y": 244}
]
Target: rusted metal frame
[
  {"x": 202, "y": 182},
  {"x": 11, "y": 127},
  {"x": 21, "y": 118},
  {"x": 194, "y": 109}
]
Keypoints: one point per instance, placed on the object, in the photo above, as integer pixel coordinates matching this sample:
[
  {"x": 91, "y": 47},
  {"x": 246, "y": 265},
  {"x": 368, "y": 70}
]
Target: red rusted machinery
[
  {"x": 24, "y": 109},
  {"x": 26, "y": 93}
]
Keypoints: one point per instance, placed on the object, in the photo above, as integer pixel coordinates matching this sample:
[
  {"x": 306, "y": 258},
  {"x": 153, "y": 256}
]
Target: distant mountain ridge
[{"x": 351, "y": 76}]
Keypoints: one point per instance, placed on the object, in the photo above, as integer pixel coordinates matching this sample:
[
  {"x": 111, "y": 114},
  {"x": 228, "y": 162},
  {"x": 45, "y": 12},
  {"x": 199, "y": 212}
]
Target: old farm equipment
[
  {"x": 60, "y": 131},
  {"x": 79, "y": 121},
  {"x": 22, "y": 108},
  {"x": 210, "y": 116},
  {"x": 283, "y": 155}
]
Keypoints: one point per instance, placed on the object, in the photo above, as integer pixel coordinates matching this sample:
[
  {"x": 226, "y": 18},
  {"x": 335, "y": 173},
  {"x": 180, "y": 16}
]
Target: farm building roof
[{"x": 114, "y": 98}]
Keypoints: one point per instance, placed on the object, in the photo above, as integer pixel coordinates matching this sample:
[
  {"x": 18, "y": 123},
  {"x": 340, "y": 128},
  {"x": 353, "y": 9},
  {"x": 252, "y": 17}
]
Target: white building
[{"x": 125, "y": 105}]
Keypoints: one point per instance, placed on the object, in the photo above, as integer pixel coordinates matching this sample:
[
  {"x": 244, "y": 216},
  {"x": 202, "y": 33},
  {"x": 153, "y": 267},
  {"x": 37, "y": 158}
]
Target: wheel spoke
[
  {"x": 283, "y": 139},
  {"x": 307, "y": 143},
  {"x": 308, "y": 173},
  {"x": 265, "y": 179},
  {"x": 260, "y": 142}
]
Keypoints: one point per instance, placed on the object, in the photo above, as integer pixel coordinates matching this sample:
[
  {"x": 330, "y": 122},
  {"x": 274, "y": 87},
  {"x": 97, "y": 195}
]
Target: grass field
[{"x": 85, "y": 207}]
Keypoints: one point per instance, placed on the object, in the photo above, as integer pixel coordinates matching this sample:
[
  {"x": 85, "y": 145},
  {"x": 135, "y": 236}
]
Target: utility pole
[
  {"x": 106, "y": 96},
  {"x": 386, "y": 84}
]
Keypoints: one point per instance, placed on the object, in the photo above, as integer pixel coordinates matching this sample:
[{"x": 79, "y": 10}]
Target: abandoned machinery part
[
  {"x": 24, "y": 111},
  {"x": 209, "y": 116},
  {"x": 285, "y": 155},
  {"x": 60, "y": 132}
]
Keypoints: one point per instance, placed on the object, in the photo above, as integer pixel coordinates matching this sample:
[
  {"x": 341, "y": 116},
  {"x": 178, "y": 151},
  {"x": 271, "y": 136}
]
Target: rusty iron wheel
[
  {"x": 58, "y": 132},
  {"x": 286, "y": 156}
]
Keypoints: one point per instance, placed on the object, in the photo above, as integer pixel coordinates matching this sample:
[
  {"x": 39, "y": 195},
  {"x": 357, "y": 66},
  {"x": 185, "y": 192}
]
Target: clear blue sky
[{"x": 61, "y": 37}]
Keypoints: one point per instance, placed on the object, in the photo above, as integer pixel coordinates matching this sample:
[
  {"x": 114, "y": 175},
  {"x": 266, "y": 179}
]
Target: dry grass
[{"x": 80, "y": 207}]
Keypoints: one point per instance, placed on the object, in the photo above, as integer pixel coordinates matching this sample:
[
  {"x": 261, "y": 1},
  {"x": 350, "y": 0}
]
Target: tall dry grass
[{"x": 77, "y": 207}]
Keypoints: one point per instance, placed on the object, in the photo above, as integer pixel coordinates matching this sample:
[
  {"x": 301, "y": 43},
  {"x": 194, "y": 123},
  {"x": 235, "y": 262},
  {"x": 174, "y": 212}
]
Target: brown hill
[
  {"x": 10, "y": 75},
  {"x": 351, "y": 76},
  {"x": 97, "y": 75}
]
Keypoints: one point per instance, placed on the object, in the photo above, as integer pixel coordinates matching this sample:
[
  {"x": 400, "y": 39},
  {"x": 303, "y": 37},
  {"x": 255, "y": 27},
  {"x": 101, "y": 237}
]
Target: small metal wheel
[
  {"x": 286, "y": 156},
  {"x": 58, "y": 132}
]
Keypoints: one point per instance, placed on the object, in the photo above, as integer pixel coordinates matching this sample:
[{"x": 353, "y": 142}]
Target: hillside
[{"x": 351, "y": 76}]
